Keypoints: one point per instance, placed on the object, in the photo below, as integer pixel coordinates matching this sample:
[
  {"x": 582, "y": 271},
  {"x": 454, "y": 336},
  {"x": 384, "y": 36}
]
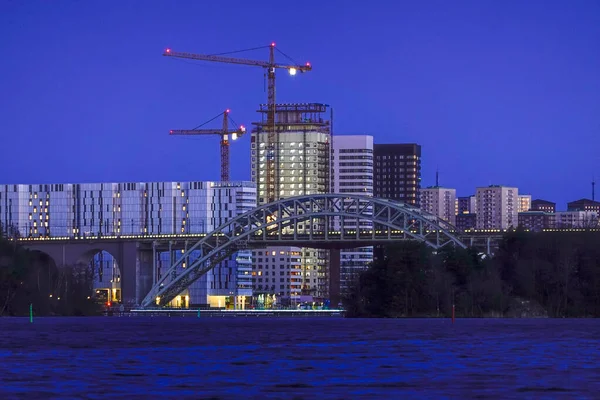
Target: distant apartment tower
[
  {"x": 397, "y": 172},
  {"x": 352, "y": 172},
  {"x": 543, "y": 205},
  {"x": 298, "y": 163},
  {"x": 584, "y": 205},
  {"x": 497, "y": 207},
  {"x": 524, "y": 202},
  {"x": 466, "y": 205},
  {"x": 440, "y": 202}
]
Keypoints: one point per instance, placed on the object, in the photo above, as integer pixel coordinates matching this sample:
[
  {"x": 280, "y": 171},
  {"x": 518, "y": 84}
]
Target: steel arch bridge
[{"x": 312, "y": 221}]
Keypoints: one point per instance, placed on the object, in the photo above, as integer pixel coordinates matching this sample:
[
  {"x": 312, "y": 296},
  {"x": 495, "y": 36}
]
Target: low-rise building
[
  {"x": 536, "y": 221},
  {"x": 584, "y": 205},
  {"x": 543, "y": 205},
  {"x": 576, "y": 219}
]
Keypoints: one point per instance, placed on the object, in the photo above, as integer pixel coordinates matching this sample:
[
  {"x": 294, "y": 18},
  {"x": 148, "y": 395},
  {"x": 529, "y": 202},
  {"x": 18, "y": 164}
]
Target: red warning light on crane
[
  {"x": 227, "y": 111},
  {"x": 167, "y": 50},
  {"x": 272, "y": 44}
]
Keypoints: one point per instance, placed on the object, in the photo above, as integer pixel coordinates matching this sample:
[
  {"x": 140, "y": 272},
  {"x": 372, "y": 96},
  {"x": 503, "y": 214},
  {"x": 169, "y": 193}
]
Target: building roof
[
  {"x": 540, "y": 201},
  {"x": 534, "y": 212},
  {"x": 586, "y": 202}
]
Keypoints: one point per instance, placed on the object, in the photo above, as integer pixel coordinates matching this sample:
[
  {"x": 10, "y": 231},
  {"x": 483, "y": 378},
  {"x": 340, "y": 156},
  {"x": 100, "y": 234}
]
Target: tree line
[
  {"x": 29, "y": 277},
  {"x": 555, "y": 274}
]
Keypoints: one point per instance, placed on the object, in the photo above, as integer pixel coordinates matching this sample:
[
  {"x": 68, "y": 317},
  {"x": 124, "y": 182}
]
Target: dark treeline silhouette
[
  {"x": 28, "y": 277},
  {"x": 555, "y": 274}
]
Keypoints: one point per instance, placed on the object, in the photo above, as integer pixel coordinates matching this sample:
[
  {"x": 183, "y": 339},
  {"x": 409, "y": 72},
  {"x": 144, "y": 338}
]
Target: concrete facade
[
  {"x": 497, "y": 207},
  {"x": 440, "y": 202}
]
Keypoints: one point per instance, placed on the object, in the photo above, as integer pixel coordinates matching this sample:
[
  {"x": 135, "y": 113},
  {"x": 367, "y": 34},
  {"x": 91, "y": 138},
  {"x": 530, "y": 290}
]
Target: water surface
[{"x": 301, "y": 358}]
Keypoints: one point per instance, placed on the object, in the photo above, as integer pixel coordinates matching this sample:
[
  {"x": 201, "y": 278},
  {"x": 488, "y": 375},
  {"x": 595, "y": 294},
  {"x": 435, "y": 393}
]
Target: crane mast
[
  {"x": 224, "y": 132},
  {"x": 272, "y": 145}
]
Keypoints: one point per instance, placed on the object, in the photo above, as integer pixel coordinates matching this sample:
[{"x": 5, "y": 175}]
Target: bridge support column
[
  {"x": 144, "y": 274},
  {"x": 136, "y": 272},
  {"x": 334, "y": 277}
]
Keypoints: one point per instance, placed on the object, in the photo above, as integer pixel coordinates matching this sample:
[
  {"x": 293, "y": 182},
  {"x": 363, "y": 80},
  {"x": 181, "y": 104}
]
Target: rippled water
[{"x": 141, "y": 358}]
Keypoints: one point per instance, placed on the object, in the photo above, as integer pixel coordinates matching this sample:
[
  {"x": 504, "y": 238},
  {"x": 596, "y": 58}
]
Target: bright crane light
[
  {"x": 293, "y": 71},
  {"x": 233, "y": 136}
]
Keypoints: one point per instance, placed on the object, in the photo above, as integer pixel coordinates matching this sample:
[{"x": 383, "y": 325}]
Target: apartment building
[
  {"x": 440, "y": 202},
  {"x": 497, "y": 207}
]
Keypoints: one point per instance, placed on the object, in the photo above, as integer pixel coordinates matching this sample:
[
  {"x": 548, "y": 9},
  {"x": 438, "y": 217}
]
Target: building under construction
[
  {"x": 297, "y": 160},
  {"x": 290, "y": 157}
]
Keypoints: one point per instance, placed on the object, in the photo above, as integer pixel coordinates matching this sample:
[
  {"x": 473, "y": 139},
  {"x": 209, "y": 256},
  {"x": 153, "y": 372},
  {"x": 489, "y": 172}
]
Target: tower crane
[
  {"x": 224, "y": 133},
  {"x": 272, "y": 134}
]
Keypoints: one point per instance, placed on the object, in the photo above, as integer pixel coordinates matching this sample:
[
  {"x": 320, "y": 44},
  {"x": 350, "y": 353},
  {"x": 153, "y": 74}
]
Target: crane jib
[{"x": 233, "y": 60}]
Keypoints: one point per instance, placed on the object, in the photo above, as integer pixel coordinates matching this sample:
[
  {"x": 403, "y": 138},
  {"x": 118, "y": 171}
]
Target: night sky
[{"x": 496, "y": 92}]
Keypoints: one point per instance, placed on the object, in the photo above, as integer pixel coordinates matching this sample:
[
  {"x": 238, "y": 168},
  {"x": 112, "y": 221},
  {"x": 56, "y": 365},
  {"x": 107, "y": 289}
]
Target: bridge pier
[
  {"x": 135, "y": 263},
  {"x": 334, "y": 277}
]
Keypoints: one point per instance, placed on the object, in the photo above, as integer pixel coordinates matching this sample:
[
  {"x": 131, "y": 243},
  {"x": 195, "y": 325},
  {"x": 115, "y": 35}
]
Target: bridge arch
[{"x": 277, "y": 224}]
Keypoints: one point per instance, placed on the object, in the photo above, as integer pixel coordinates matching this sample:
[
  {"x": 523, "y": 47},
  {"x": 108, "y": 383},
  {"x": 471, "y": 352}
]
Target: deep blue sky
[{"x": 502, "y": 92}]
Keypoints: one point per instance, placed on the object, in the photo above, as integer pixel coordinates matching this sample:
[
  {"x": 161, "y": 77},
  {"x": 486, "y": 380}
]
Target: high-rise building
[
  {"x": 497, "y": 207},
  {"x": 466, "y": 205},
  {"x": 352, "y": 173},
  {"x": 524, "y": 202},
  {"x": 137, "y": 208},
  {"x": 543, "y": 205},
  {"x": 297, "y": 163},
  {"x": 397, "y": 173},
  {"x": 440, "y": 202}
]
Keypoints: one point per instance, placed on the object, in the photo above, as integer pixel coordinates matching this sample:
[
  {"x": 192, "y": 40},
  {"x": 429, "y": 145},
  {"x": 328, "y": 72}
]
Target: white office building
[
  {"x": 352, "y": 173},
  {"x": 440, "y": 202},
  {"x": 137, "y": 208},
  {"x": 497, "y": 207}
]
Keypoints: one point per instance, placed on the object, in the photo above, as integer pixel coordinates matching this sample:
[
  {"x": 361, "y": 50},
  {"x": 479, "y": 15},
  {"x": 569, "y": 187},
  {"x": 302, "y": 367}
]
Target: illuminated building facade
[
  {"x": 440, "y": 202},
  {"x": 137, "y": 208},
  {"x": 352, "y": 173},
  {"x": 497, "y": 207},
  {"x": 299, "y": 163},
  {"x": 524, "y": 203}
]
